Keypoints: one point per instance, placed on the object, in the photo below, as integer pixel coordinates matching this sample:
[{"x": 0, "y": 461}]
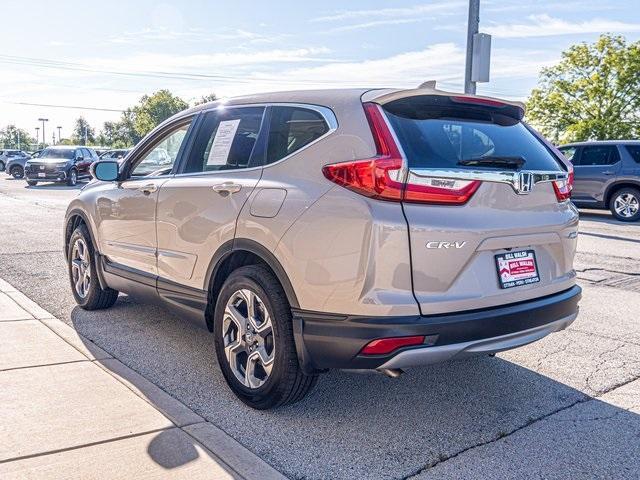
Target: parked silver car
[
  {"x": 12, "y": 161},
  {"x": 362, "y": 229},
  {"x": 607, "y": 175}
]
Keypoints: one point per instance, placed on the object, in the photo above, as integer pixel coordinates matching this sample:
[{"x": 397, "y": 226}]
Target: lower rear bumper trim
[{"x": 335, "y": 341}]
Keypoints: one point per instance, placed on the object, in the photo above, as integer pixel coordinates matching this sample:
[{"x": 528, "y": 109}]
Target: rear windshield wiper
[{"x": 495, "y": 161}]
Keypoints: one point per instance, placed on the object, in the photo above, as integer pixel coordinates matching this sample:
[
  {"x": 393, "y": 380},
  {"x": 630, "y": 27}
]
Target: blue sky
[{"x": 105, "y": 55}]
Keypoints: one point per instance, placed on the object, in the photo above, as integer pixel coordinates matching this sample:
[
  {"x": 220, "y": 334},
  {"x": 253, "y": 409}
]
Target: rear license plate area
[{"x": 516, "y": 269}]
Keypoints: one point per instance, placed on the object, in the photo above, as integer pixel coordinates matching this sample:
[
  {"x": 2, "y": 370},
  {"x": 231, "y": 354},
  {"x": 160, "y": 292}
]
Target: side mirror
[{"x": 105, "y": 170}]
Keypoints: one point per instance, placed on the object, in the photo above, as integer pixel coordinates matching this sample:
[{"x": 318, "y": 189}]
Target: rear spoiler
[{"x": 382, "y": 97}]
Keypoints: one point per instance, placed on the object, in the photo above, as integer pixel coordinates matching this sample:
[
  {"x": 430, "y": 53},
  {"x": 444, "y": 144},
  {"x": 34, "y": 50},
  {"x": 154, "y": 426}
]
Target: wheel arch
[
  {"x": 614, "y": 187},
  {"x": 234, "y": 254}
]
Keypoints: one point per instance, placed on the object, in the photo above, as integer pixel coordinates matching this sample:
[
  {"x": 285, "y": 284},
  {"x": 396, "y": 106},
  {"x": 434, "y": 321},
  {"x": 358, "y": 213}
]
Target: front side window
[
  {"x": 160, "y": 159},
  {"x": 227, "y": 140},
  {"x": 599, "y": 155},
  {"x": 292, "y": 128}
]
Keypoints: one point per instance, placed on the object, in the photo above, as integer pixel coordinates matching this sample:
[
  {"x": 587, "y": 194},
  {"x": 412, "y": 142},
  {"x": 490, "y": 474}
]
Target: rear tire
[
  {"x": 17, "y": 171},
  {"x": 81, "y": 263},
  {"x": 72, "y": 178},
  {"x": 32, "y": 183},
  {"x": 625, "y": 204},
  {"x": 256, "y": 353}
]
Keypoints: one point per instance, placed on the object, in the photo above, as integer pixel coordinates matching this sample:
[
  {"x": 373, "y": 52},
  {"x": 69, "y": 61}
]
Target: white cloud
[
  {"x": 434, "y": 7},
  {"x": 374, "y": 23},
  {"x": 547, "y": 26}
]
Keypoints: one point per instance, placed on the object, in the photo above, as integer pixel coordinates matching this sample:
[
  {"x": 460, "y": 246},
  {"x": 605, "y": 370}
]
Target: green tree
[
  {"x": 212, "y": 97},
  {"x": 14, "y": 137},
  {"x": 593, "y": 93},
  {"x": 83, "y": 133},
  {"x": 154, "y": 109}
]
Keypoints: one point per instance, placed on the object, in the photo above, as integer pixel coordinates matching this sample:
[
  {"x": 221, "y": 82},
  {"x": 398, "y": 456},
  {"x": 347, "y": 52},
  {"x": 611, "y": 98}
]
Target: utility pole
[
  {"x": 44, "y": 139},
  {"x": 53, "y": 138},
  {"x": 59, "y": 134},
  {"x": 37, "y": 137},
  {"x": 18, "y": 134},
  {"x": 473, "y": 25},
  {"x": 85, "y": 135}
]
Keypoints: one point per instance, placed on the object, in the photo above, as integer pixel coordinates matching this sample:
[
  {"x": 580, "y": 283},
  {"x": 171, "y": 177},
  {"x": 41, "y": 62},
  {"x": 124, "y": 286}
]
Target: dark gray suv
[{"x": 607, "y": 175}]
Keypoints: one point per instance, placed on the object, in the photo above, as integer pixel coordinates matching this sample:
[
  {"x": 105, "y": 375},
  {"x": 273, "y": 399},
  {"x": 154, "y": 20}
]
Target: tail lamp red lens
[
  {"x": 382, "y": 177},
  {"x": 563, "y": 187},
  {"x": 383, "y": 346}
]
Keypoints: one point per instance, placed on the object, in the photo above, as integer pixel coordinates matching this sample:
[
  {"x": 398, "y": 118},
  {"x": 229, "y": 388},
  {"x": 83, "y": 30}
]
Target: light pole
[
  {"x": 53, "y": 138},
  {"x": 37, "y": 137},
  {"x": 472, "y": 28},
  {"x": 59, "y": 134},
  {"x": 44, "y": 141}
]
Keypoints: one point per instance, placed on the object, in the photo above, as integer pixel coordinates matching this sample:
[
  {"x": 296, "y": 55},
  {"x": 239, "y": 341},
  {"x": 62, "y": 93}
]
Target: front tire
[
  {"x": 72, "y": 178},
  {"x": 625, "y": 204},
  {"x": 2, "y": 166},
  {"x": 85, "y": 285},
  {"x": 32, "y": 183},
  {"x": 253, "y": 337},
  {"x": 17, "y": 172}
]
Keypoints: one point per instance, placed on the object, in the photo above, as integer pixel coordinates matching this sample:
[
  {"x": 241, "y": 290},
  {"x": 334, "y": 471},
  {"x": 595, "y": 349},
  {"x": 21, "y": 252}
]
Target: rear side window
[
  {"x": 444, "y": 136},
  {"x": 227, "y": 140},
  {"x": 599, "y": 155},
  {"x": 292, "y": 128},
  {"x": 568, "y": 152},
  {"x": 634, "y": 151}
]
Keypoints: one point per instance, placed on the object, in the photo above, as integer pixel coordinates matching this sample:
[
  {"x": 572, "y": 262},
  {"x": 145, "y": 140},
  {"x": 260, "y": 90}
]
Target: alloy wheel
[
  {"x": 247, "y": 332},
  {"x": 626, "y": 205},
  {"x": 80, "y": 268}
]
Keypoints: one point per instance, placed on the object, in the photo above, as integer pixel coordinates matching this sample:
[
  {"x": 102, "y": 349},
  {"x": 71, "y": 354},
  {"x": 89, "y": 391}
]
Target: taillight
[
  {"x": 381, "y": 177},
  {"x": 382, "y": 346},
  {"x": 563, "y": 187},
  {"x": 378, "y": 177}
]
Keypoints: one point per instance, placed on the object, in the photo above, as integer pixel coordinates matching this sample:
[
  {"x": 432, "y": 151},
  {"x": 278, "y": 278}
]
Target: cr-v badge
[{"x": 445, "y": 244}]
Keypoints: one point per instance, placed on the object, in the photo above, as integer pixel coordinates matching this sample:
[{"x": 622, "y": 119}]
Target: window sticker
[{"x": 222, "y": 142}]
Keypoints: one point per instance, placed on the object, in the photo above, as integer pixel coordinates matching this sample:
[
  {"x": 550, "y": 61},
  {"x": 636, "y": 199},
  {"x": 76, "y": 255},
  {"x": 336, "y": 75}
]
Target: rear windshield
[
  {"x": 448, "y": 136},
  {"x": 57, "y": 153}
]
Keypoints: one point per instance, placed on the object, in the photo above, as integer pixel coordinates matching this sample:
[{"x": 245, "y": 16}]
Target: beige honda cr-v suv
[{"x": 360, "y": 229}]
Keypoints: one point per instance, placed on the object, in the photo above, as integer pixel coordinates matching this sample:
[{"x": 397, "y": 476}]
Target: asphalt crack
[{"x": 586, "y": 398}]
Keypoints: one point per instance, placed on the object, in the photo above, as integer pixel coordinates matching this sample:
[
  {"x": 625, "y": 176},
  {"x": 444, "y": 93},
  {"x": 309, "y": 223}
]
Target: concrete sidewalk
[{"x": 68, "y": 409}]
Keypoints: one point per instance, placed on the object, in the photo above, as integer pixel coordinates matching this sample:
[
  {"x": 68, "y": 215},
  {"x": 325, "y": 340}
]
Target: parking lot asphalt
[{"x": 565, "y": 407}]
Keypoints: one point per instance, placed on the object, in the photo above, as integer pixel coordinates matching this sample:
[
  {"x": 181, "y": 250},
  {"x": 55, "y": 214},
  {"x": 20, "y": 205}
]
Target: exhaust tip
[{"x": 391, "y": 372}]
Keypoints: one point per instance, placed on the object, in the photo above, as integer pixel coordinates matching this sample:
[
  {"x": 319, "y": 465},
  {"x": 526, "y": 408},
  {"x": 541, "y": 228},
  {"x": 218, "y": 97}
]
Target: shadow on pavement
[{"x": 366, "y": 425}]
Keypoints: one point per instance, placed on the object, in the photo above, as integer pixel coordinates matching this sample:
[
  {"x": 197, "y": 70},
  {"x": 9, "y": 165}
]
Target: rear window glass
[
  {"x": 443, "y": 137},
  {"x": 634, "y": 151}
]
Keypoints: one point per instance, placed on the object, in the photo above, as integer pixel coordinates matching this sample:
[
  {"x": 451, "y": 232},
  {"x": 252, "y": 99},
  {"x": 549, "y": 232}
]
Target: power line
[{"x": 75, "y": 107}]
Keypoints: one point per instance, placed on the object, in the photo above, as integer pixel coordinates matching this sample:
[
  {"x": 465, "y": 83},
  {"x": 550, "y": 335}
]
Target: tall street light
[
  {"x": 37, "y": 137},
  {"x": 59, "y": 134},
  {"x": 44, "y": 138},
  {"x": 44, "y": 141}
]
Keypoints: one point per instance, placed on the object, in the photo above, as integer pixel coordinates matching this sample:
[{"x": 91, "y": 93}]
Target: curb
[{"x": 244, "y": 463}]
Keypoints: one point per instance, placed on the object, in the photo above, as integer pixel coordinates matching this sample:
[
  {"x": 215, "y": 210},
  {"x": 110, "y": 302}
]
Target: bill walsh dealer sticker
[{"x": 517, "y": 268}]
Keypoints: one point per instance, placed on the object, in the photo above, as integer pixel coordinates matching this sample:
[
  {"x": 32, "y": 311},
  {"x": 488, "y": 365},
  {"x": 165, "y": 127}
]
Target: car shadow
[
  {"x": 55, "y": 186},
  {"x": 601, "y": 216},
  {"x": 356, "y": 425}
]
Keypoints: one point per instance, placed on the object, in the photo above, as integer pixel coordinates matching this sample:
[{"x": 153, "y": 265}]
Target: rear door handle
[
  {"x": 227, "y": 187},
  {"x": 148, "y": 189},
  {"x": 608, "y": 172}
]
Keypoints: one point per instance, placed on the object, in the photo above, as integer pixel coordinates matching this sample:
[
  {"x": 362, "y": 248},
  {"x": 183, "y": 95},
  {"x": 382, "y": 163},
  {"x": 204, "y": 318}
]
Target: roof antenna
[{"x": 428, "y": 84}]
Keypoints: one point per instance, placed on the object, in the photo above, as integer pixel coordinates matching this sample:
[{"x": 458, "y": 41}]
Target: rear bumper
[{"x": 335, "y": 341}]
